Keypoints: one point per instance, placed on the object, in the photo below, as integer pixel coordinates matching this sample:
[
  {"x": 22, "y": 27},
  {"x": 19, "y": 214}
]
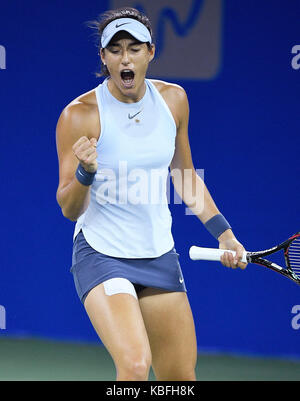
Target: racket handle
[{"x": 198, "y": 253}]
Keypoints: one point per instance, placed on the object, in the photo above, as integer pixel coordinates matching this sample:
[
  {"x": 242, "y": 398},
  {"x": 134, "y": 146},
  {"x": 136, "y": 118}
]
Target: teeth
[{"x": 127, "y": 75}]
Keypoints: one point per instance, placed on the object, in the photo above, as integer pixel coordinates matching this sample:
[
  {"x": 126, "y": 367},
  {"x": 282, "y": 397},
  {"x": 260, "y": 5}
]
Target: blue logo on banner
[{"x": 181, "y": 28}]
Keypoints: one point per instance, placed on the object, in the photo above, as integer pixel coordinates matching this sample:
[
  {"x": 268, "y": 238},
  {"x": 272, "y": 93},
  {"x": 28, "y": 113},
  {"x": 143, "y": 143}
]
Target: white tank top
[{"x": 128, "y": 214}]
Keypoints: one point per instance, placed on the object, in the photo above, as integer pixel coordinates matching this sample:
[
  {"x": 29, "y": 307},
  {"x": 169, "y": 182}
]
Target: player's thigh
[
  {"x": 171, "y": 331},
  {"x": 118, "y": 321}
]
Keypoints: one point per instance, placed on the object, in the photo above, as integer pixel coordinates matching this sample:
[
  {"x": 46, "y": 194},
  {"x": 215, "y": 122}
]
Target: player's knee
[
  {"x": 135, "y": 367},
  {"x": 138, "y": 369}
]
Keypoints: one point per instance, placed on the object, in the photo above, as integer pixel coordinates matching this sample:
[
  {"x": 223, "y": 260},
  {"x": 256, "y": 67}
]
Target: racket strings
[{"x": 294, "y": 256}]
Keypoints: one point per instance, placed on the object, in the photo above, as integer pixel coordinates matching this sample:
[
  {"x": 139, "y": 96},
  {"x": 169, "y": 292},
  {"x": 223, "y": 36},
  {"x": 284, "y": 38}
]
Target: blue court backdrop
[{"x": 239, "y": 64}]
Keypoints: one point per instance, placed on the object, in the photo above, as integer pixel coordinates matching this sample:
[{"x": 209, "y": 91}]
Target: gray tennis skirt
[{"x": 90, "y": 268}]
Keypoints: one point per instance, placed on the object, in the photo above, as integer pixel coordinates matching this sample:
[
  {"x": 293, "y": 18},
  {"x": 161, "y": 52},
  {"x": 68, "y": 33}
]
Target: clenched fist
[{"x": 85, "y": 151}]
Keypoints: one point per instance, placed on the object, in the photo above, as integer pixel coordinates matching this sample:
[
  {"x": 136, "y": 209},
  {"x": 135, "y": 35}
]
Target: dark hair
[{"x": 108, "y": 16}]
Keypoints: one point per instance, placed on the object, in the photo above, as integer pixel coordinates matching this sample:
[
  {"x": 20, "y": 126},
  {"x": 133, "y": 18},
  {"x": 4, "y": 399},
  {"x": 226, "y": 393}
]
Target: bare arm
[
  {"x": 186, "y": 181},
  {"x": 75, "y": 143},
  {"x": 188, "y": 184}
]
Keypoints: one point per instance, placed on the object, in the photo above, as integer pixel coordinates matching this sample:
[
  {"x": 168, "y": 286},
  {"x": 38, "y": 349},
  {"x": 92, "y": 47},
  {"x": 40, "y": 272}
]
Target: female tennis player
[{"x": 113, "y": 142}]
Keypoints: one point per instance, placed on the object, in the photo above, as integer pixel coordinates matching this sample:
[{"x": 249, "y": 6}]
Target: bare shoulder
[
  {"x": 80, "y": 117},
  {"x": 175, "y": 96},
  {"x": 168, "y": 89}
]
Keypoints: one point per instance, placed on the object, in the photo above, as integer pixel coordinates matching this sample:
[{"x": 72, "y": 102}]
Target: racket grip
[{"x": 198, "y": 253}]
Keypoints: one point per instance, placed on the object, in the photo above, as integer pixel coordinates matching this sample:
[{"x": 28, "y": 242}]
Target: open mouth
[{"x": 127, "y": 77}]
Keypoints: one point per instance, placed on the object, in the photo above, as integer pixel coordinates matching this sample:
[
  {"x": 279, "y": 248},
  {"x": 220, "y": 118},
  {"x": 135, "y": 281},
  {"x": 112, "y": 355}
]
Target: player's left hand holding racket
[
  {"x": 290, "y": 248},
  {"x": 228, "y": 242}
]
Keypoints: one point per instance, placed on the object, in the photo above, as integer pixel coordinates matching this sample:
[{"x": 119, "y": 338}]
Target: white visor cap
[{"x": 130, "y": 25}]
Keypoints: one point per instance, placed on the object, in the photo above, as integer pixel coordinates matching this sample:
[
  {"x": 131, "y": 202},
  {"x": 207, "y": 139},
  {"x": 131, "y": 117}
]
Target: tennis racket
[{"x": 290, "y": 247}]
